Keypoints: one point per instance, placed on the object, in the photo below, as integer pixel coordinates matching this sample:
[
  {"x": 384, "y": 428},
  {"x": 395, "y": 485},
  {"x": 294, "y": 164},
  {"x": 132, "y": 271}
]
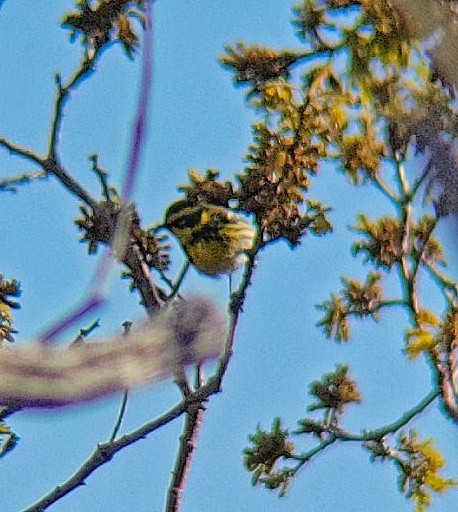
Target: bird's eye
[
  {"x": 182, "y": 222},
  {"x": 188, "y": 219}
]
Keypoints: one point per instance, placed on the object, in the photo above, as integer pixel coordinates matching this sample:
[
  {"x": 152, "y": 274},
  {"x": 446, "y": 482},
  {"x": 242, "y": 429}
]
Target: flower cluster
[
  {"x": 107, "y": 21},
  {"x": 8, "y": 288}
]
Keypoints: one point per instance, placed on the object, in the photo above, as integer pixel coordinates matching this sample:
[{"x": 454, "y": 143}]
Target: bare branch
[
  {"x": 395, "y": 426},
  {"x": 446, "y": 379},
  {"x": 194, "y": 417},
  {"x": 87, "y": 67},
  {"x": 445, "y": 283},
  {"x": 236, "y": 307},
  {"x": 102, "y": 454},
  {"x": 18, "y": 150},
  {"x": 50, "y": 166},
  {"x": 188, "y": 444},
  {"x": 125, "y": 396},
  {"x": 119, "y": 418},
  {"x": 53, "y": 166},
  {"x": 9, "y": 184},
  {"x": 385, "y": 189},
  {"x": 152, "y": 296}
]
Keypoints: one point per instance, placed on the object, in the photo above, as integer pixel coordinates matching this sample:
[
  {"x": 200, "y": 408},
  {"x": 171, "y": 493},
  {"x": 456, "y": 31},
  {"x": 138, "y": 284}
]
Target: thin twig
[
  {"x": 339, "y": 434},
  {"x": 120, "y": 416},
  {"x": 85, "y": 332},
  {"x": 380, "y": 432},
  {"x": 188, "y": 443},
  {"x": 91, "y": 304},
  {"x": 199, "y": 377},
  {"x": 236, "y": 306},
  {"x": 194, "y": 417},
  {"x": 53, "y": 166},
  {"x": 303, "y": 458},
  {"x": 166, "y": 279},
  {"x": 444, "y": 281},
  {"x": 9, "y": 184},
  {"x": 87, "y": 67},
  {"x": 102, "y": 176},
  {"x": 421, "y": 179},
  {"x": 385, "y": 189},
  {"x": 408, "y": 277},
  {"x": 102, "y": 454},
  {"x": 18, "y": 150},
  {"x": 179, "y": 281},
  {"x": 127, "y": 325},
  {"x": 50, "y": 166}
]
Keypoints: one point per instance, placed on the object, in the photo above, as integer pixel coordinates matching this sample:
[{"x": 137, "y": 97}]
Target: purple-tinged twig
[{"x": 133, "y": 261}]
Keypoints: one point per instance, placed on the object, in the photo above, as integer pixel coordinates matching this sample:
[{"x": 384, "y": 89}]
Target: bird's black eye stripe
[
  {"x": 206, "y": 233},
  {"x": 188, "y": 219}
]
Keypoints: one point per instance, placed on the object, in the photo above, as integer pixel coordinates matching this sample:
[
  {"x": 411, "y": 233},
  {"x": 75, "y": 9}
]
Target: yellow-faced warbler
[{"x": 213, "y": 237}]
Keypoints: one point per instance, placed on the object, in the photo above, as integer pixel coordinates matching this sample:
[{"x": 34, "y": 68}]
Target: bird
[{"x": 214, "y": 238}]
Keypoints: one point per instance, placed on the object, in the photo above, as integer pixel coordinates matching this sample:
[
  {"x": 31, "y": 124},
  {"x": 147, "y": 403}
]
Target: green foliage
[
  {"x": 284, "y": 156},
  {"x": 9, "y": 439},
  {"x": 357, "y": 299},
  {"x": 207, "y": 189},
  {"x": 334, "y": 391},
  {"x": 434, "y": 337},
  {"x": 384, "y": 244},
  {"x": 257, "y": 64},
  {"x": 419, "y": 463},
  {"x": 362, "y": 96},
  {"x": 104, "y": 222},
  {"x": 8, "y": 288},
  {"x": 368, "y": 101},
  {"x": 272, "y": 186},
  {"x": 422, "y": 339},
  {"x": 335, "y": 319},
  {"x": 362, "y": 153},
  {"x": 266, "y": 450}
]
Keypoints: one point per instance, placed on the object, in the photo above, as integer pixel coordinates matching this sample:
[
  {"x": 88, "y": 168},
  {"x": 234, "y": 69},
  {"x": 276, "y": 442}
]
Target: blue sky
[{"x": 197, "y": 120}]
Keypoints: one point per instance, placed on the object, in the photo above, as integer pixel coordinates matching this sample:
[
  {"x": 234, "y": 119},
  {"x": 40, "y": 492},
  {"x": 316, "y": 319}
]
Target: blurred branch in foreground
[
  {"x": 438, "y": 20},
  {"x": 42, "y": 376}
]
